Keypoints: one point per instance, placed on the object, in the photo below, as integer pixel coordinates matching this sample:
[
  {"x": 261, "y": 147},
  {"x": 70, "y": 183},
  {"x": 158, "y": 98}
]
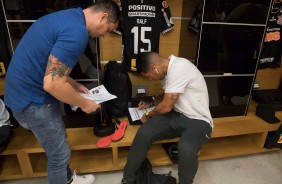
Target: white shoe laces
[
  {"x": 74, "y": 174},
  {"x": 82, "y": 179}
]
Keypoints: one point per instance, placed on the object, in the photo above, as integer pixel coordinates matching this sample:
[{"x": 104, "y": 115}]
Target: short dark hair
[
  {"x": 143, "y": 62},
  {"x": 110, "y": 7}
]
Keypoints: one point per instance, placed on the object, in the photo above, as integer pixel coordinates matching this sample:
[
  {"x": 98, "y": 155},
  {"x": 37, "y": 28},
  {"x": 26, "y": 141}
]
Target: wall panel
[
  {"x": 188, "y": 41},
  {"x": 269, "y": 78},
  {"x": 110, "y": 47},
  {"x": 175, "y": 7},
  {"x": 188, "y": 7},
  {"x": 154, "y": 87}
]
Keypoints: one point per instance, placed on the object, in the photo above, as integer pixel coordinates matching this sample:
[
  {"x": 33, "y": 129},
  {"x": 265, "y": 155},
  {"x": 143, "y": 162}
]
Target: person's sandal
[
  {"x": 120, "y": 132},
  {"x": 104, "y": 142}
]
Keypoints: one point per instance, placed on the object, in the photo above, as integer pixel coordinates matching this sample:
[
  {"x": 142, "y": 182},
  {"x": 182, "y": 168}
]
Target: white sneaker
[{"x": 82, "y": 179}]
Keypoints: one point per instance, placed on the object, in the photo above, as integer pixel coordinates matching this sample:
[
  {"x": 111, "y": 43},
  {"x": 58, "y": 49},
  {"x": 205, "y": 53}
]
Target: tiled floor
[{"x": 265, "y": 168}]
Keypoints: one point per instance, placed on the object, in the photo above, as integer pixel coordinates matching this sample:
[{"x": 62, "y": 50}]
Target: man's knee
[
  {"x": 61, "y": 157},
  {"x": 144, "y": 133},
  {"x": 187, "y": 150}
]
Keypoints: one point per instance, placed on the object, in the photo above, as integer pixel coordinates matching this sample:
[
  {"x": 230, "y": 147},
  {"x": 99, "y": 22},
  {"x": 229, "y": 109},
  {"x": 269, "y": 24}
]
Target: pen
[{"x": 141, "y": 101}]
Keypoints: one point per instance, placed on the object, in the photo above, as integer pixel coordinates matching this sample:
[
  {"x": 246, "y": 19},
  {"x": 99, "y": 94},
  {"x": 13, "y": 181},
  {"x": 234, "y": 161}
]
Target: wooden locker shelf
[
  {"x": 10, "y": 167},
  {"x": 232, "y": 136}
]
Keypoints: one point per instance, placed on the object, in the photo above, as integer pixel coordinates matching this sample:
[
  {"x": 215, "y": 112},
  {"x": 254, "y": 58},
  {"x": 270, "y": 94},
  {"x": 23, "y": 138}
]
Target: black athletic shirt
[
  {"x": 143, "y": 20},
  {"x": 271, "y": 52}
]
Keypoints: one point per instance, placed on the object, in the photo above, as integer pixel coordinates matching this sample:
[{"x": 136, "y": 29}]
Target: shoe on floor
[
  {"x": 123, "y": 181},
  {"x": 82, "y": 179}
]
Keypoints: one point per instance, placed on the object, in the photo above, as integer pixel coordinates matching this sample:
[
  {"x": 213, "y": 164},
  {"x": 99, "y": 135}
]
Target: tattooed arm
[
  {"x": 165, "y": 106},
  {"x": 58, "y": 83}
]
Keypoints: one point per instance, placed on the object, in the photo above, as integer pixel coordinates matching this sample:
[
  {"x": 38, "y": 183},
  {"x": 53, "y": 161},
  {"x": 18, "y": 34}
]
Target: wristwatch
[{"x": 148, "y": 115}]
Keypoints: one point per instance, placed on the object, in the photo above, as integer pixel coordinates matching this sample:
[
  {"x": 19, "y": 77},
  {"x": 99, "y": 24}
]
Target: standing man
[
  {"x": 183, "y": 111},
  {"x": 38, "y": 78}
]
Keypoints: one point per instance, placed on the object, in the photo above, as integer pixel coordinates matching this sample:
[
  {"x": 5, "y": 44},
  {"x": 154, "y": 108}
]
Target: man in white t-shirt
[{"x": 183, "y": 111}]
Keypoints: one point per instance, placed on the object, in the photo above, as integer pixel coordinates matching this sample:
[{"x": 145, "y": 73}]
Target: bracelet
[{"x": 148, "y": 115}]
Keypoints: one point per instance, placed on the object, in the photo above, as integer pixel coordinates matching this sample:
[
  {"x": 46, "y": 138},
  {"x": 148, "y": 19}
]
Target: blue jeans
[{"x": 46, "y": 124}]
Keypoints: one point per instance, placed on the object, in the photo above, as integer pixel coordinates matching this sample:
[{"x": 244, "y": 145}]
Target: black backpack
[
  {"x": 117, "y": 82},
  {"x": 147, "y": 176},
  {"x": 105, "y": 124}
]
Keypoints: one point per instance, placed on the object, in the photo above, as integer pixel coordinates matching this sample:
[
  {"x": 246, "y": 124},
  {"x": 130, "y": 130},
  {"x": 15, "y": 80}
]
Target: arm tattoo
[{"x": 56, "y": 67}]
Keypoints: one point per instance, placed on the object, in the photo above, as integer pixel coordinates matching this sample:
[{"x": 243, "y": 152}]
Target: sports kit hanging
[{"x": 143, "y": 21}]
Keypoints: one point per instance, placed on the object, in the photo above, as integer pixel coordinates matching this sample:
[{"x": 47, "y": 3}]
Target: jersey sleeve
[
  {"x": 69, "y": 46},
  {"x": 167, "y": 20}
]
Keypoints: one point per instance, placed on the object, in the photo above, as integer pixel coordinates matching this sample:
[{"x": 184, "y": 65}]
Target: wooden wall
[
  {"x": 180, "y": 42},
  {"x": 2, "y": 85},
  {"x": 269, "y": 78}
]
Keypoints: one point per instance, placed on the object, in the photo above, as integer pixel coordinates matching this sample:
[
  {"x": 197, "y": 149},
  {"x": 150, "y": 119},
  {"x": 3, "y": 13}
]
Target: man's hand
[
  {"x": 90, "y": 106},
  {"x": 143, "y": 105},
  {"x": 144, "y": 118},
  {"x": 81, "y": 88},
  {"x": 165, "y": 106},
  {"x": 77, "y": 86}
]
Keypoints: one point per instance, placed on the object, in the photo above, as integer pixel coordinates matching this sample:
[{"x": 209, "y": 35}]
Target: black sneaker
[
  {"x": 172, "y": 151},
  {"x": 123, "y": 181}
]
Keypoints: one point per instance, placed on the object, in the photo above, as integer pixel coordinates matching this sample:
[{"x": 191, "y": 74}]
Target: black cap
[{"x": 267, "y": 113}]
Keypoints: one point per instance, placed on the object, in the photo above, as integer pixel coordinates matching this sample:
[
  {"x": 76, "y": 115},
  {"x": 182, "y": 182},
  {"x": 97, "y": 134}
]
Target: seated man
[{"x": 182, "y": 112}]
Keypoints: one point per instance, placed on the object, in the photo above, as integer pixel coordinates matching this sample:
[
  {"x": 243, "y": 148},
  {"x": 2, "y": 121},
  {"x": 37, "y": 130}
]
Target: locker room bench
[{"x": 232, "y": 136}]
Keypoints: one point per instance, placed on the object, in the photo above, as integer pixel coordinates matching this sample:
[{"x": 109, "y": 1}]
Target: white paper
[
  {"x": 136, "y": 114},
  {"x": 98, "y": 94}
]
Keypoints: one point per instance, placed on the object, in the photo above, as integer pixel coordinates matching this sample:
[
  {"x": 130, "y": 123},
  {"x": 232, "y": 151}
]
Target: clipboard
[
  {"x": 134, "y": 104},
  {"x": 131, "y": 122}
]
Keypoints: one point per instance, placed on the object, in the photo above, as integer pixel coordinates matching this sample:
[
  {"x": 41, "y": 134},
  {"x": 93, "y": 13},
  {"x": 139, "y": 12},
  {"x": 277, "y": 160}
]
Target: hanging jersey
[
  {"x": 271, "y": 51},
  {"x": 195, "y": 23},
  {"x": 143, "y": 20}
]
